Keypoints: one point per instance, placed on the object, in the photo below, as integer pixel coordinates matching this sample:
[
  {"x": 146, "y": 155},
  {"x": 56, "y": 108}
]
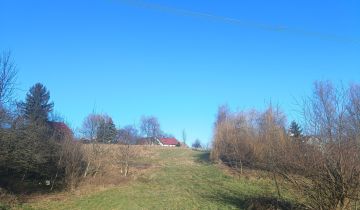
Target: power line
[{"x": 235, "y": 21}]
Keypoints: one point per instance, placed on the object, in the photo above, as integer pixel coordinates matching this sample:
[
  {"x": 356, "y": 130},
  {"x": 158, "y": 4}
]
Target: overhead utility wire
[{"x": 235, "y": 21}]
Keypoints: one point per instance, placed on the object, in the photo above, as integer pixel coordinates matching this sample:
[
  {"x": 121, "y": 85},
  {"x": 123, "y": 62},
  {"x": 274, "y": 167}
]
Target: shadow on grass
[
  {"x": 17, "y": 187},
  {"x": 240, "y": 201},
  {"x": 203, "y": 157}
]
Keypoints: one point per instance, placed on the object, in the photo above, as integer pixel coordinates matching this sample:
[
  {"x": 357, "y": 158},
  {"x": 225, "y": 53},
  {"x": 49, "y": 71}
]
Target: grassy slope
[{"x": 184, "y": 179}]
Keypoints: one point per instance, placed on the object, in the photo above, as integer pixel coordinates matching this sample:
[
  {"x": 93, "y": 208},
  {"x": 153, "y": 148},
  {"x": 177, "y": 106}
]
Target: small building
[
  {"x": 169, "y": 142},
  {"x": 165, "y": 142}
]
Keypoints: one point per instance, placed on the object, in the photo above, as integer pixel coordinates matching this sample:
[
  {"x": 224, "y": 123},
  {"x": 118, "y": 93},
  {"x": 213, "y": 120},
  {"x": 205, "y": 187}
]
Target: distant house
[
  {"x": 165, "y": 142},
  {"x": 168, "y": 142}
]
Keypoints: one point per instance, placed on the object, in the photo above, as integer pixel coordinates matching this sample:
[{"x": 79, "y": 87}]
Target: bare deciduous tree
[
  {"x": 125, "y": 152},
  {"x": 91, "y": 125},
  {"x": 222, "y": 114},
  {"x": 353, "y": 110},
  {"x": 184, "y": 137},
  {"x": 8, "y": 73},
  {"x": 96, "y": 150},
  {"x": 329, "y": 161},
  {"x": 273, "y": 136},
  {"x": 70, "y": 162},
  {"x": 150, "y": 126},
  {"x": 128, "y": 134},
  {"x": 324, "y": 164}
]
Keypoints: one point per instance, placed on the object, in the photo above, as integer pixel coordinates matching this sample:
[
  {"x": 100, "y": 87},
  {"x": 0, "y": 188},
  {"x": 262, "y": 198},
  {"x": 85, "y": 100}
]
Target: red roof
[{"x": 169, "y": 141}]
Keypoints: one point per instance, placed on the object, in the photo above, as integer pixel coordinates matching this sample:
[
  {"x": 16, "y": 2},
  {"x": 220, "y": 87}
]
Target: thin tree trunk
[
  {"x": 53, "y": 181},
  {"x": 241, "y": 167},
  {"x": 97, "y": 170},
  {"x": 355, "y": 205},
  {"x": 23, "y": 177},
  {"x": 277, "y": 185},
  {"x": 56, "y": 175},
  {"x": 126, "y": 168},
  {"x": 87, "y": 169}
]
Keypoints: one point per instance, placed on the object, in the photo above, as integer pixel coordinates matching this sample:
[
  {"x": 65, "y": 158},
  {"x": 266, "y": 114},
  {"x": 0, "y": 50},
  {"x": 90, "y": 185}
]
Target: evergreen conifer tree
[
  {"x": 107, "y": 131},
  {"x": 295, "y": 130},
  {"x": 37, "y": 107}
]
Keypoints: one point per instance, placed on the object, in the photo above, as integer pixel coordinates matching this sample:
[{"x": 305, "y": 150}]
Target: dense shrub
[
  {"x": 323, "y": 165},
  {"x": 247, "y": 138}
]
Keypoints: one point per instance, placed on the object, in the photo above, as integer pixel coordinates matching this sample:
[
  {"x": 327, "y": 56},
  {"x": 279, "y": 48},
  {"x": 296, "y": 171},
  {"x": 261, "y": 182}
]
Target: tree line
[
  {"x": 36, "y": 152},
  {"x": 39, "y": 152},
  {"x": 100, "y": 128},
  {"x": 320, "y": 160}
]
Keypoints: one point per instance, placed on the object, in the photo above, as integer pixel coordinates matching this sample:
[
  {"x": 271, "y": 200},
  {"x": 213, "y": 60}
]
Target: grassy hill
[{"x": 178, "y": 179}]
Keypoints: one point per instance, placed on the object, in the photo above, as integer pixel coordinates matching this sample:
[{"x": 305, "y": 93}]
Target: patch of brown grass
[
  {"x": 110, "y": 176},
  {"x": 7, "y": 199}
]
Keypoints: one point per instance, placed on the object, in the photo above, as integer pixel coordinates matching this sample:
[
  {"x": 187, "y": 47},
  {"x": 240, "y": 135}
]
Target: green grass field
[{"x": 180, "y": 179}]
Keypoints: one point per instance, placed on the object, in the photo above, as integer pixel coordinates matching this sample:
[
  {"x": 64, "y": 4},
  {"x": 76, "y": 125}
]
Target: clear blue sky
[{"x": 179, "y": 60}]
